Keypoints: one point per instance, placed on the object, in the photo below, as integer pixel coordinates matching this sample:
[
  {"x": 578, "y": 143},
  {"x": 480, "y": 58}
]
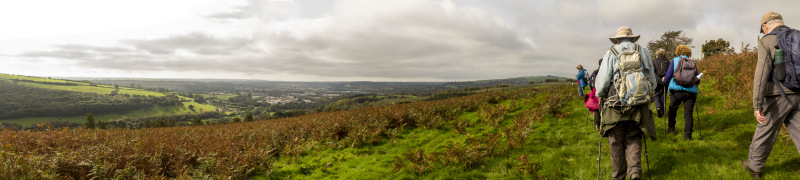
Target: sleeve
[
  {"x": 761, "y": 76},
  {"x": 604, "y": 75},
  {"x": 648, "y": 64},
  {"x": 670, "y": 70}
]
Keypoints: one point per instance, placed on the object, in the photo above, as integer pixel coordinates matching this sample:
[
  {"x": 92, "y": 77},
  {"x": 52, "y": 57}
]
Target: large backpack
[
  {"x": 632, "y": 87},
  {"x": 686, "y": 73},
  {"x": 789, "y": 42}
]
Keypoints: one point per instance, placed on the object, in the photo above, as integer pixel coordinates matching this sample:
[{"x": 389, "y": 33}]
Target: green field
[
  {"x": 223, "y": 97},
  {"x": 102, "y": 89}
]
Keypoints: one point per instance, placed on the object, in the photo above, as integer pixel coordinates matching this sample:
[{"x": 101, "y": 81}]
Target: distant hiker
[
  {"x": 775, "y": 102},
  {"x": 625, "y": 83},
  {"x": 682, "y": 68},
  {"x": 582, "y": 78},
  {"x": 592, "y": 79},
  {"x": 661, "y": 64}
]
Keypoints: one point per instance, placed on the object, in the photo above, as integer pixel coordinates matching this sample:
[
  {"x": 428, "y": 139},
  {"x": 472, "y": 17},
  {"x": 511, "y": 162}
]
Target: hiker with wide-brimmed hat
[
  {"x": 625, "y": 82},
  {"x": 774, "y": 104}
]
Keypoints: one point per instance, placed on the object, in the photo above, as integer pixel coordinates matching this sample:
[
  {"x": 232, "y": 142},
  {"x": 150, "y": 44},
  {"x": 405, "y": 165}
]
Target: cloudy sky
[{"x": 348, "y": 40}]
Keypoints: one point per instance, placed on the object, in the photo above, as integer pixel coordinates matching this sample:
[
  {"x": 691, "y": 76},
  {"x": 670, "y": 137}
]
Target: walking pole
[
  {"x": 664, "y": 96},
  {"x": 646, "y": 157},
  {"x": 599, "y": 152},
  {"x": 587, "y": 117},
  {"x": 697, "y": 108},
  {"x": 599, "y": 142}
]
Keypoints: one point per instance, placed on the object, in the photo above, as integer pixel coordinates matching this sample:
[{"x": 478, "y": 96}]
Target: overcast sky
[{"x": 349, "y": 40}]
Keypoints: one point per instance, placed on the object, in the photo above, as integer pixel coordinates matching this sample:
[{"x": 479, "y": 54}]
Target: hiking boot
[
  {"x": 746, "y": 166},
  {"x": 596, "y": 127},
  {"x": 660, "y": 112},
  {"x": 635, "y": 177}
]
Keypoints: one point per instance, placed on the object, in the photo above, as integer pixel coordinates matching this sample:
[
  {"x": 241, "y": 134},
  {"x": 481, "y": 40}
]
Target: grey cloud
[
  {"x": 198, "y": 43},
  {"x": 417, "y": 39}
]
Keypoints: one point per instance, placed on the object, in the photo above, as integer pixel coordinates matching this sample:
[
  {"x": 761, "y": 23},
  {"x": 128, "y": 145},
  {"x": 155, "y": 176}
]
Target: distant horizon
[{"x": 208, "y": 79}]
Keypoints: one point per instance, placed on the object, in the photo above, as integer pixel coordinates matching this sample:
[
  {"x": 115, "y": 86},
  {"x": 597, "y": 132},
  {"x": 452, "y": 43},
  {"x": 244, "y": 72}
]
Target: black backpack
[
  {"x": 686, "y": 73},
  {"x": 661, "y": 65},
  {"x": 788, "y": 41}
]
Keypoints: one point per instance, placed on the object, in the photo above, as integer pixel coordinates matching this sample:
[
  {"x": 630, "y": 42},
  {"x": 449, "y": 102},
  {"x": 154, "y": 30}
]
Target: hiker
[
  {"x": 774, "y": 103},
  {"x": 593, "y": 97},
  {"x": 661, "y": 64},
  {"x": 686, "y": 93},
  {"x": 626, "y": 110},
  {"x": 581, "y": 77}
]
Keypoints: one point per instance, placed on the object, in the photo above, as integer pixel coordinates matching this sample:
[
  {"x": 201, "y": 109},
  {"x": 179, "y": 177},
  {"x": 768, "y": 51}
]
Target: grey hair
[{"x": 774, "y": 22}]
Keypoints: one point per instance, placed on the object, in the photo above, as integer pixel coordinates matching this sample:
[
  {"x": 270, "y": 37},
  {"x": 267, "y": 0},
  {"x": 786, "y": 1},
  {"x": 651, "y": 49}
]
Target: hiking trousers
[
  {"x": 625, "y": 140},
  {"x": 779, "y": 111},
  {"x": 675, "y": 100},
  {"x": 659, "y": 96}
]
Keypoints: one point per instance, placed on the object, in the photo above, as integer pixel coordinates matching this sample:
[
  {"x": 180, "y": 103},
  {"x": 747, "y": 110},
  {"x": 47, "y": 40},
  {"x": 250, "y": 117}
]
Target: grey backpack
[
  {"x": 632, "y": 87},
  {"x": 685, "y": 74}
]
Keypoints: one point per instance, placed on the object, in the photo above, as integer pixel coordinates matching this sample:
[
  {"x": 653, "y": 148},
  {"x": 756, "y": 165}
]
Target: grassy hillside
[
  {"x": 555, "y": 148},
  {"x": 87, "y": 87},
  {"x": 561, "y": 147},
  {"x": 531, "y": 133}
]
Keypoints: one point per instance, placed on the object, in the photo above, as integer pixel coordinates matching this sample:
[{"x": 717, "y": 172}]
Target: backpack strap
[{"x": 614, "y": 51}]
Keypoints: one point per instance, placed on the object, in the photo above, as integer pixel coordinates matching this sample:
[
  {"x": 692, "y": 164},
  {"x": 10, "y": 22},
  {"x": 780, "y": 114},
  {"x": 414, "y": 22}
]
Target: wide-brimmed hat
[
  {"x": 624, "y": 32},
  {"x": 769, "y": 17}
]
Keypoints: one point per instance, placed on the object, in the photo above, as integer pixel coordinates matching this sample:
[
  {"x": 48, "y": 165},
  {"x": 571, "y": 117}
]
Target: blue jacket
[
  {"x": 580, "y": 76},
  {"x": 668, "y": 78}
]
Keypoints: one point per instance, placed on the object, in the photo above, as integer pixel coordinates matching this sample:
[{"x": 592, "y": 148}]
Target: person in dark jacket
[
  {"x": 661, "y": 64},
  {"x": 680, "y": 94}
]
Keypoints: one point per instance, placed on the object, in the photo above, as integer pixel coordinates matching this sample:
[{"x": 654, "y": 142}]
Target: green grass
[
  {"x": 563, "y": 148},
  {"x": 155, "y": 110},
  {"x": 104, "y": 89},
  {"x": 81, "y": 87}
]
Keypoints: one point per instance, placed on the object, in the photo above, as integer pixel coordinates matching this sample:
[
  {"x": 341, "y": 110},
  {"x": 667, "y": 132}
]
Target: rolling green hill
[{"x": 41, "y": 98}]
